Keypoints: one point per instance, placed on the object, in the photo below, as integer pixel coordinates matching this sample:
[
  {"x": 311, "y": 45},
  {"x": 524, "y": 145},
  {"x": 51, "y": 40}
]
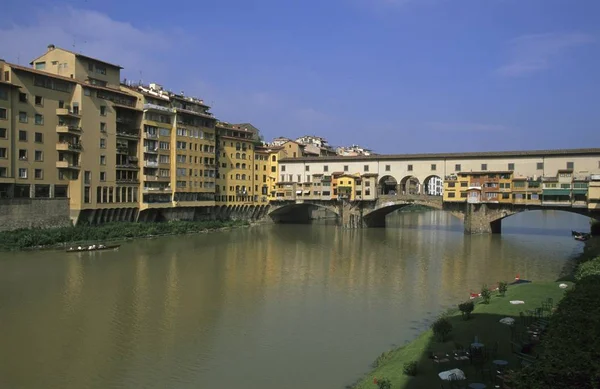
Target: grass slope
[{"x": 484, "y": 323}]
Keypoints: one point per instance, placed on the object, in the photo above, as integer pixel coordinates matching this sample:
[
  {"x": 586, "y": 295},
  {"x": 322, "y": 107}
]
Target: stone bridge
[{"x": 478, "y": 218}]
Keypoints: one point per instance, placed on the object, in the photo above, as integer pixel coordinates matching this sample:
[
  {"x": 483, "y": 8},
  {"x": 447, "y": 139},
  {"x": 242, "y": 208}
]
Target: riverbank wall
[{"x": 34, "y": 213}]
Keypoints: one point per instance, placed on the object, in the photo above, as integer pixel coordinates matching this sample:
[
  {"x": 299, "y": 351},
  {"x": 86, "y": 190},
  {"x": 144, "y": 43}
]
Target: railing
[
  {"x": 66, "y": 165},
  {"x": 150, "y": 136},
  {"x": 128, "y": 181},
  {"x": 150, "y": 164},
  {"x": 68, "y": 128},
  {"x": 156, "y": 189},
  {"x": 151, "y": 150},
  {"x": 128, "y": 134},
  {"x": 128, "y": 166},
  {"x": 156, "y": 107}
]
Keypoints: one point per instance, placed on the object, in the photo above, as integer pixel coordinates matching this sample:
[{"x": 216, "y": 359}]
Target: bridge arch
[
  {"x": 376, "y": 217},
  {"x": 298, "y": 212},
  {"x": 410, "y": 185},
  {"x": 433, "y": 185},
  {"x": 388, "y": 185}
]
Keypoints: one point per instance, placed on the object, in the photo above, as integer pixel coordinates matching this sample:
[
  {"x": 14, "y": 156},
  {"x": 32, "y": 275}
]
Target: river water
[{"x": 280, "y": 306}]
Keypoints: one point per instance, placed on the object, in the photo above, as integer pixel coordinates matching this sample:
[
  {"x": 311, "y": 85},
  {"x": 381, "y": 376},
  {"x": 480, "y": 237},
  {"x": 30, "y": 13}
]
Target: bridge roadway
[{"x": 477, "y": 217}]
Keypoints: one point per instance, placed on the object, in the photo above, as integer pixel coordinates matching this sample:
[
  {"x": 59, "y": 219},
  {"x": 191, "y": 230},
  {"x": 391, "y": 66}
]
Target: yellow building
[
  {"x": 594, "y": 192},
  {"x": 236, "y": 178},
  {"x": 526, "y": 191},
  {"x": 262, "y": 167},
  {"x": 455, "y": 188}
]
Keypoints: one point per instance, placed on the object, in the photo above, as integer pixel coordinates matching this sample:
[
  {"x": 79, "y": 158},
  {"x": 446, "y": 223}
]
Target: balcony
[
  {"x": 151, "y": 150},
  {"x": 189, "y": 111},
  {"x": 150, "y": 163},
  {"x": 71, "y": 147},
  {"x": 67, "y": 165},
  {"x": 158, "y": 108},
  {"x": 128, "y": 181},
  {"x": 67, "y": 112},
  {"x": 150, "y": 136},
  {"x": 128, "y": 166},
  {"x": 125, "y": 120},
  {"x": 68, "y": 129},
  {"x": 128, "y": 135},
  {"x": 155, "y": 177},
  {"x": 155, "y": 189}
]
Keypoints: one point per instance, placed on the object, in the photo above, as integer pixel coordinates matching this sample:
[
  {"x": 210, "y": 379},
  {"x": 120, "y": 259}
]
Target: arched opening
[
  {"x": 410, "y": 185},
  {"x": 388, "y": 186},
  {"x": 433, "y": 186}
]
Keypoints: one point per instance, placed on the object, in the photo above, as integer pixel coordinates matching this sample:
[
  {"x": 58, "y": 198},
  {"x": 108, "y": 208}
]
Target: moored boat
[{"x": 100, "y": 247}]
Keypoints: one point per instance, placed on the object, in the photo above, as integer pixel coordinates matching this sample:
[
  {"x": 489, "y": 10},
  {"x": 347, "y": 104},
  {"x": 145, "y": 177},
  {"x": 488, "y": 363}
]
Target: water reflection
[{"x": 274, "y": 306}]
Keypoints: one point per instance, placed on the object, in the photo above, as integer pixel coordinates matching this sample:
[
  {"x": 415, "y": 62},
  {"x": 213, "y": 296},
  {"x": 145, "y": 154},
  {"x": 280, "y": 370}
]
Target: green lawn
[{"x": 484, "y": 323}]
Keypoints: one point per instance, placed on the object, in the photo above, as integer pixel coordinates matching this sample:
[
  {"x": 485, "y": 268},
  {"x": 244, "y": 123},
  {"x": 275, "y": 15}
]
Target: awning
[
  {"x": 556, "y": 192},
  {"x": 307, "y": 192},
  {"x": 298, "y": 192},
  {"x": 580, "y": 191}
]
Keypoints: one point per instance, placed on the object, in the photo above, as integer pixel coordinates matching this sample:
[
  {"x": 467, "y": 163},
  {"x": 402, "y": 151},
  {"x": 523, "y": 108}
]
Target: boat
[
  {"x": 580, "y": 236},
  {"x": 100, "y": 247}
]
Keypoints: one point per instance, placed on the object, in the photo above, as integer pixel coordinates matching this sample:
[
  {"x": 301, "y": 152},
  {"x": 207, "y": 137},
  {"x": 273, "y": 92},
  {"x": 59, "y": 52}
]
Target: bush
[
  {"x": 570, "y": 356},
  {"x": 441, "y": 328},
  {"x": 466, "y": 308},
  {"x": 384, "y": 383},
  {"x": 502, "y": 288},
  {"x": 486, "y": 294},
  {"x": 410, "y": 368},
  {"x": 587, "y": 269}
]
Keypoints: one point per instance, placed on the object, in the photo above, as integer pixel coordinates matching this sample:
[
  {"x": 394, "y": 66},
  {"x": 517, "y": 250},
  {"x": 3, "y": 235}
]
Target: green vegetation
[
  {"x": 441, "y": 328},
  {"x": 29, "y": 238},
  {"x": 484, "y": 324},
  {"x": 502, "y": 288},
  {"x": 589, "y": 268},
  {"x": 570, "y": 350},
  {"x": 466, "y": 308},
  {"x": 486, "y": 294}
]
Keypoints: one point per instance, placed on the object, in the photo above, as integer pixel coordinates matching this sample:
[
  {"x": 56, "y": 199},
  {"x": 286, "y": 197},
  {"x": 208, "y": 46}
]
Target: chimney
[{"x": 51, "y": 47}]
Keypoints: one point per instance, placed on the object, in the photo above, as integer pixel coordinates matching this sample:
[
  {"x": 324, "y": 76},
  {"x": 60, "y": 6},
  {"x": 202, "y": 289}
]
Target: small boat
[
  {"x": 100, "y": 247},
  {"x": 580, "y": 236}
]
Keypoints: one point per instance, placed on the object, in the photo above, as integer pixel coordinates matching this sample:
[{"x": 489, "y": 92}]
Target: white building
[
  {"x": 353, "y": 151},
  {"x": 435, "y": 186}
]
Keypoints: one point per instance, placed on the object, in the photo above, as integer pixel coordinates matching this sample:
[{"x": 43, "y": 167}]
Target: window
[
  {"x": 410, "y": 168},
  {"x": 39, "y": 119},
  {"x": 39, "y": 101},
  {"x": 22, "y": 155},
  {"x": 39, "y": 137},
  {"x": 570, "y": 165},
  {"x": 366, "y": 168},
  {"x": 273, "y": 169},
  {"x": 3, "y": 153},
  {"x": 38, "y": 155},
  {"x": 484, "y": 166},
  {"x": 23, "y": 97},
  {"x": 100, "y": 69},
  {"x": 103, "y": 110},
  {"x": 22, "y": 136},
  {"x": 22, "y": 172},
  {"x": 3, "y": 93},
  {"x": 326, "y": 168},
  {"x": 433, "y": 166},
  {"x": 90, "y": 66},
  {"x": 3, "y": 172},
  {"x": 102, "y": 127},
  {"x": 103, "y": 160},
  {"x": 345, "y": 168},
  {"x": 23, "y": 117},
  {"x": 307, "y": 168},
  {"x": 102, "y": 176},
  {"x": 457, "y": 167},
  {"x": 38, "y": 174},
  {"x": 540, "y": 166},
  {"x": 102, "y": 143},
  {"x": 299, "y": 178},
  {"x": 451, "y": 195},
  {"x": 87, "y": 92},
  {"x": 282, "y": 168},
  {"x": 40, "y": 65},
  {"x": 3, "y": 134},
  {"x": 87, "y": 177},
  {"x": 3, "y": 114},
  {"x": 86, "y": 195},
  {"x": 511, "y": 166}
]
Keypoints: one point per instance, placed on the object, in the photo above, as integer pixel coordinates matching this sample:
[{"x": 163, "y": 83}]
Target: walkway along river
[{"x": 291, "y": 306}]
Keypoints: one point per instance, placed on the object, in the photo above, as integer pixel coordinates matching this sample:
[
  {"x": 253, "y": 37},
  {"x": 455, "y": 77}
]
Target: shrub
[
  {"x": 587, "y": 269},
  {"x": 466, "y": 308},
  {"x": 410, "y": 368},
  {"x": 486, "y": 294},
  {"x": 441, "y": 328},
  {"x": 384, "y": 383},
  {"x": 502, "y": 288},
  {"x": 569, "y": 356}
]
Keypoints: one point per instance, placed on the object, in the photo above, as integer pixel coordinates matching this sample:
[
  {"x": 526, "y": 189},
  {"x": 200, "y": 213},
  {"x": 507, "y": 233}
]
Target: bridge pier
[{"x": 484, "y": 219}]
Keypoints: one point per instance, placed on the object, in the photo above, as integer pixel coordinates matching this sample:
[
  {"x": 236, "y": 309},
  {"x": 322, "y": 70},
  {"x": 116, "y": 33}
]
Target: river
[{"x": 279, "y": 306}]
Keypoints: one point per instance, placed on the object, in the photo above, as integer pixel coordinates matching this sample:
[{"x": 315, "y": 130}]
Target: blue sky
[{"x": 397, "y": 76}]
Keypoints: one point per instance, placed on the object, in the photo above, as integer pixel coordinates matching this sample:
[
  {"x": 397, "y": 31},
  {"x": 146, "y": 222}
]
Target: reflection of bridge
[{"x": 478, "y": 218}]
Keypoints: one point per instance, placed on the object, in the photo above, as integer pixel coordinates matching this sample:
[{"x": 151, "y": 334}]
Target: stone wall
[{"x": 34, "y": 213}]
